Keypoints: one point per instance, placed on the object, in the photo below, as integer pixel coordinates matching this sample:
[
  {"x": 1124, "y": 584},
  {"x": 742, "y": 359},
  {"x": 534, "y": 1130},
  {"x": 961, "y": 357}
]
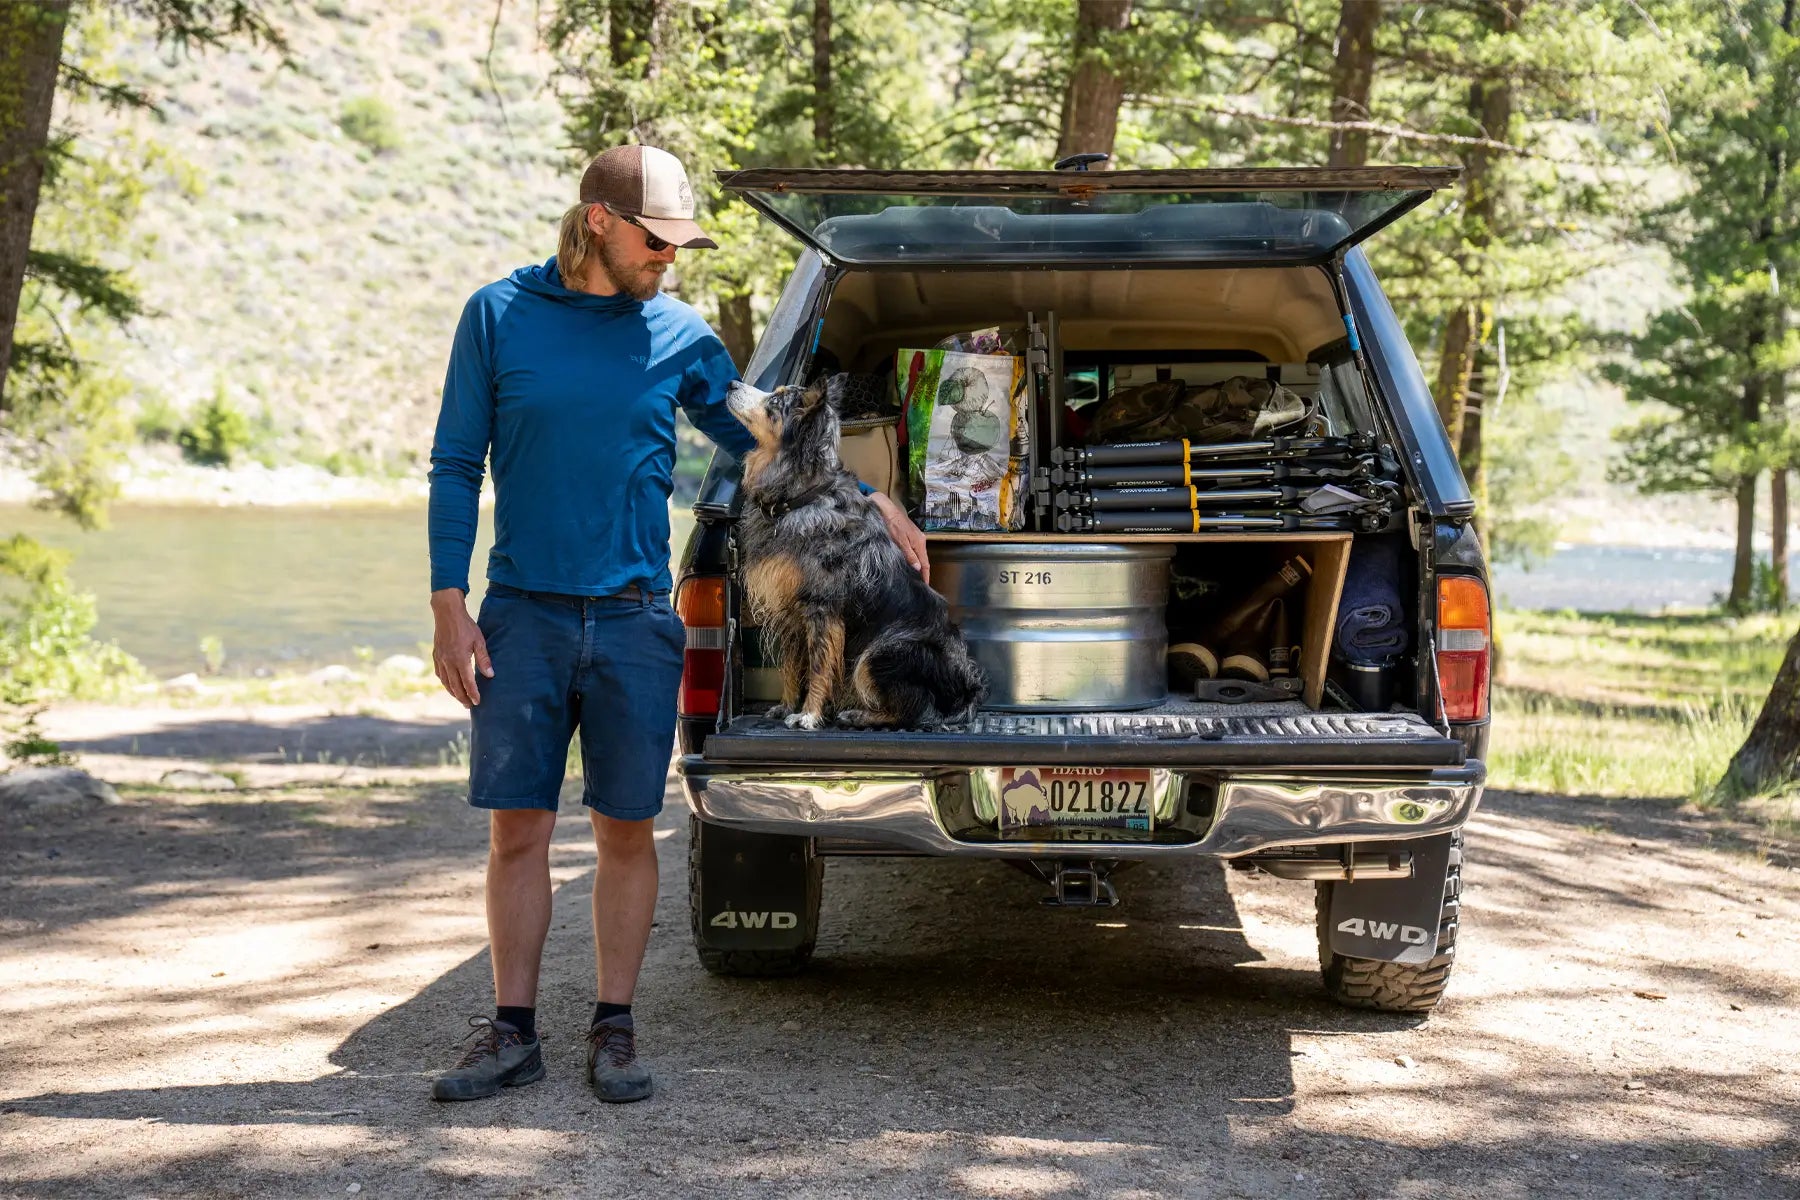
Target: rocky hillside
[{"x": 311, "y": 240}]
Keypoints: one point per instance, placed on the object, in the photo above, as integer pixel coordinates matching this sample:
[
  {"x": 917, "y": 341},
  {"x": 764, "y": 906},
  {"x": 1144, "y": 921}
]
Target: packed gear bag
[
  {"x": 1240, "y": 407},
  {"x": 967, "y": 432}
]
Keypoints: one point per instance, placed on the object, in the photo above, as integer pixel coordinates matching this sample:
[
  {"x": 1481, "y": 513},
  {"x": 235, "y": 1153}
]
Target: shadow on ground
[
  {"x": 348, "y": 739},
  {"x": 953, "y": 1037}
]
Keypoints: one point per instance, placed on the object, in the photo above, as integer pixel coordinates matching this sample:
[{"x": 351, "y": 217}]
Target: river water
[{"x": 294, "y": 588}]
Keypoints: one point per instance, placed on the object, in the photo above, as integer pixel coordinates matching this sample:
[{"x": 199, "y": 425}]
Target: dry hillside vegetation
[{"x": 309, "y": 248}]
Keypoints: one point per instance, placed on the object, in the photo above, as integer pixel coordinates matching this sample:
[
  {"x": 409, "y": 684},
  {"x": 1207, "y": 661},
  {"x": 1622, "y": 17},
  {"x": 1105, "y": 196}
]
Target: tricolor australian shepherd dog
[{"x": 861, "y": 636}]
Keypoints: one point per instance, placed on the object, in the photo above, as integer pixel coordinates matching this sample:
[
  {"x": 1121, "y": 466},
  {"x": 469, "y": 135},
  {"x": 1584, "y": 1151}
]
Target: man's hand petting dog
[{"x": 906, "y": 535}]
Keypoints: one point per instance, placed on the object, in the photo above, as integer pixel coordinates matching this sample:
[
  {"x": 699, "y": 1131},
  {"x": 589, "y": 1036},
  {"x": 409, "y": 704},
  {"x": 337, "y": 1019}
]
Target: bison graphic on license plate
[{"x": 1080, "y": 797}]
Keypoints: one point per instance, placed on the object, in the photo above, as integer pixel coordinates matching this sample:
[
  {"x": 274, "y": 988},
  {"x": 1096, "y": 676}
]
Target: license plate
[{"x": 1081, "y": 797}]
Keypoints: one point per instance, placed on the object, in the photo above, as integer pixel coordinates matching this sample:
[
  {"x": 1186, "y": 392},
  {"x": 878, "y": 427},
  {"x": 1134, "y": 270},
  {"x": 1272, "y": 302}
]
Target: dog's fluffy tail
[{"x": 922, "y": 682}]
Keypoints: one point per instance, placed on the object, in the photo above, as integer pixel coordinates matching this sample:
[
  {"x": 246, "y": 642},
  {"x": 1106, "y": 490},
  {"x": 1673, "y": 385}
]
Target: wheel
[
  {"x": 753, "y": 900},
  {"x": 1391, "y": 986}
]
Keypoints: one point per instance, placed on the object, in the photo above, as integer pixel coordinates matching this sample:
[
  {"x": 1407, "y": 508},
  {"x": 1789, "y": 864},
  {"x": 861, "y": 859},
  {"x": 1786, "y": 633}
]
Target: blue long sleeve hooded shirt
[{"x": 575, "y": 395}]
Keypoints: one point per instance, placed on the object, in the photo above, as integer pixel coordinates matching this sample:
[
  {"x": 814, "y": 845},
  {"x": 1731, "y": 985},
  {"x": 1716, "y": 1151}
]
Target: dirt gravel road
[{"x": 242, "y": 994}]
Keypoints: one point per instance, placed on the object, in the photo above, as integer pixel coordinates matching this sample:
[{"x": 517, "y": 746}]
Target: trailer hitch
[{"x": 1077, "y": 885}]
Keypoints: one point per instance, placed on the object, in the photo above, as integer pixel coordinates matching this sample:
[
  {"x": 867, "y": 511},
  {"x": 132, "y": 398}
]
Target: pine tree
[{"x": 1719, "y": 365}]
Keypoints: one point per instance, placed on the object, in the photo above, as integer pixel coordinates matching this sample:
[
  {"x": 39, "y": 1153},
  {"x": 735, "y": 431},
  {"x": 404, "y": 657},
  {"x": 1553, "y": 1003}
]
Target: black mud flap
[
  {"x": 1394, "y": 920},
  {"x": 754, "y": 891}
]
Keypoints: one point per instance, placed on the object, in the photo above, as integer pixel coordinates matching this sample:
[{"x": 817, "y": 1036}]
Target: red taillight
[
  {"x": 1463, "y": 647},
  {"x": 701, "y": 603}
]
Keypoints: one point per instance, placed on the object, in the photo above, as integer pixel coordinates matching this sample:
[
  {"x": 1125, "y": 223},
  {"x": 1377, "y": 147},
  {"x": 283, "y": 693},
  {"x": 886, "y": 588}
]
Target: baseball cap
[{"x": 649, "y": 185}]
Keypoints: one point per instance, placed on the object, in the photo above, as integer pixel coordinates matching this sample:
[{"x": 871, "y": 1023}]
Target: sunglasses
[{"x": 652, "y": 243}]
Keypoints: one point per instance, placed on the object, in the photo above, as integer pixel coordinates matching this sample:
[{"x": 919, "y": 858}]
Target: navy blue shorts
[{"x": 607, "y": 666}]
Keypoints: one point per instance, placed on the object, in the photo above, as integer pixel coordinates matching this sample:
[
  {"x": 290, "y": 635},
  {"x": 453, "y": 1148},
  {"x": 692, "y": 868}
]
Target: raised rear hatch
[{"x": 1240, "y": 216}]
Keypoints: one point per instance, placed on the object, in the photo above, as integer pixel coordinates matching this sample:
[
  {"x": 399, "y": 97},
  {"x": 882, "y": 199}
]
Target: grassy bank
[{"x": 1628, "y": 705}]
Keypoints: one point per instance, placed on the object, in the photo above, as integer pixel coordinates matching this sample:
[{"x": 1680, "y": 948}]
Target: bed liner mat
[{"x": 1275, "y": 736}]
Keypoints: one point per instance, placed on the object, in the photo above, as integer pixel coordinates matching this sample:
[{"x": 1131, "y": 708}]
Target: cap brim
[{"x": 678, "y": 232}]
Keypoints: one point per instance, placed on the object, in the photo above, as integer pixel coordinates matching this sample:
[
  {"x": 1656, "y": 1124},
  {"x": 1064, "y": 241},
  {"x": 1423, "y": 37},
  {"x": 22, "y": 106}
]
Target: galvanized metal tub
[{"x": 1061, "y": 627}]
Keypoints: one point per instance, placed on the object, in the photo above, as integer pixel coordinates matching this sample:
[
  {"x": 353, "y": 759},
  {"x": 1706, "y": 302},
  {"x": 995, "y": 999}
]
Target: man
[{"x": 570, "y": 373}]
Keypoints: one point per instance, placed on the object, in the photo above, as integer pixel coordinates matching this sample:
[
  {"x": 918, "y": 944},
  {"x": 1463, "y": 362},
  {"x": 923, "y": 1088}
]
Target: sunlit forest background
[{"x": 258, "y": 220}]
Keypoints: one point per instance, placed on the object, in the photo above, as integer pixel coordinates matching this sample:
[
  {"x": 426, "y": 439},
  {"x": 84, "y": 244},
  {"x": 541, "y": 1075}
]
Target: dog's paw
[
  {"x": 856, "y": 718},
  {"x": 803, "y": 720},
  {"x": 778, "y": 713}
]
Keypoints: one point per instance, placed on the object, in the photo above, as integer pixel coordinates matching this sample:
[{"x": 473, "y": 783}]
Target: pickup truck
[{"x": 1147, "y": 273}]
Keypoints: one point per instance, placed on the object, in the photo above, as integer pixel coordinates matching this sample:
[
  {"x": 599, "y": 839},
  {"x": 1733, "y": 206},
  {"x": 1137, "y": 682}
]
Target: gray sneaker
[
  {"x": 498, "y": 1056},
  {"x": 613, "y": 1069}
]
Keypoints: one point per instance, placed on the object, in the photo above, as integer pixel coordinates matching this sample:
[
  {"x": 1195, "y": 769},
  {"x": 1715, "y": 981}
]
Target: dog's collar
[{"x": 775, "y": 510}]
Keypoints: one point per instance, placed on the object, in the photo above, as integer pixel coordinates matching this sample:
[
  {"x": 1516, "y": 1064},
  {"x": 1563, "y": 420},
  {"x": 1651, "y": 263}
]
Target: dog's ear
[
  {"x": 835, "y": 388},
  {"x": 814, "y": 396}
]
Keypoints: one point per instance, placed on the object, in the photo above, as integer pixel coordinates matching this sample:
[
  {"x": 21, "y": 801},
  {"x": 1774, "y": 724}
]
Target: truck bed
[{"x": 1177, "y": 733}]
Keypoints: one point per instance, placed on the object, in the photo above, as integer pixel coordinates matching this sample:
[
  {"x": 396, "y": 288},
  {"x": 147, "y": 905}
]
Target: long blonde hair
[{"x": 574, "y": 245}]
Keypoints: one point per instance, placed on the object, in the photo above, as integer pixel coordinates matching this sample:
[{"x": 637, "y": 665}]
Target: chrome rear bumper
[{"x": 1250, "y": 812}]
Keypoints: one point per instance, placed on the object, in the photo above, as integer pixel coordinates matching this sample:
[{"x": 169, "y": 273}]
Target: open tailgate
[{"x": 1269, "y": 740}]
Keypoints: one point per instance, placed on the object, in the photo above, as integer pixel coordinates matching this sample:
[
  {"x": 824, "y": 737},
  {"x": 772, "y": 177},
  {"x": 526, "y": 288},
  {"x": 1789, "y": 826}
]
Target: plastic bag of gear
[{"x": 967, "y": 432}]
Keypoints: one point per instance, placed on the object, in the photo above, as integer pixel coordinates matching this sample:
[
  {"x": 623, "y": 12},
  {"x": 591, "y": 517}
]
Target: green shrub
[
  {"x": 368, "y": 121},
  {"x": 218, "y": 433},
  {"x": 46, "y": 645},
  {"x": 26, "y": 745},
  {"x": 157, "y": 420}
]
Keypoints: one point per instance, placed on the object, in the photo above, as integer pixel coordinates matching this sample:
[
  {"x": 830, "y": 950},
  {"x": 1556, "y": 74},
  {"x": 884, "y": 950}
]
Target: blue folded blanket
[{"x": 1371, "y": 622}]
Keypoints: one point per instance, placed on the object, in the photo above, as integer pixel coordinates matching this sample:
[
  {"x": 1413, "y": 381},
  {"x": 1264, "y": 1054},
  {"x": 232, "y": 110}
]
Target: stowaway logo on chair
[{"x": 733, "y": 918}]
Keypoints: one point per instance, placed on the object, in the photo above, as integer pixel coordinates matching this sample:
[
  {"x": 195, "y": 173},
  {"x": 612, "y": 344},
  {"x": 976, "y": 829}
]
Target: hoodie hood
[{"x": 544, "y": 280}]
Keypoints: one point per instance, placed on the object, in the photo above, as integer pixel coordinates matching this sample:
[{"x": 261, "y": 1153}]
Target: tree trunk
[
  {"x": 31, "y": 34},
  {"x": 1352, "y": 78},
  {"x": 1455, "y": 367},
  {"x": 1778, "y": 478},
  {"x": 1770, "y": 757},
  {"x": 1491, "y": 106},
  {"x": 1468, "y": 445},
  {"x": 1778, "y": 548},
  {"x": 824, "y": 107},
  {"x": 737, "y": 328},
  {"x": 1090, "y": 116},
  {"x": 1744, "y": 563}
]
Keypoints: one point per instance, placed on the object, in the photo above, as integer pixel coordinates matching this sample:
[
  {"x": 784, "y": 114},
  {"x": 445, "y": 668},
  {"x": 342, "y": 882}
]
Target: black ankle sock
[
  {"x": 522, "y": 1019},
  {"x": 604, "y": 1010}
]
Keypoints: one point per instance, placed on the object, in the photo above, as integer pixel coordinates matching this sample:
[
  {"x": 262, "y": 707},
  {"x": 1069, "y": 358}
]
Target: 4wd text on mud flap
[
  {"x": 1388, "y": 931},
  {"x": 732, "y": 918}
]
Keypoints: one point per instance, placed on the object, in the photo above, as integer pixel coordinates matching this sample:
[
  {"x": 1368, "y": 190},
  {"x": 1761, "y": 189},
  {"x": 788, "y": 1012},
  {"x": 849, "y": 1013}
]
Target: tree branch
[
  {"x": 1394, "y": 131},
  {"x": 114, "y": 95}
]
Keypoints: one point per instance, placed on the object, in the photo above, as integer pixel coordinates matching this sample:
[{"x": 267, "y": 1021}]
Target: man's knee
[
  {"x": 615, "y": 837},
  {"x": 520, "y": 833}
]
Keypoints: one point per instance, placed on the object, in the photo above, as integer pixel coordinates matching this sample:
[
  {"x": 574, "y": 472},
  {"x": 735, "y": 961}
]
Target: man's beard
[{"x": 640, "y": 284}]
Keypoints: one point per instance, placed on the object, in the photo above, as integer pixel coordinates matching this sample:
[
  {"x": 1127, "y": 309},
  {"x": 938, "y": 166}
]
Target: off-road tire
[
  {"x": 750, "y": 963},
  {"x": 1389, "y": 986}
]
